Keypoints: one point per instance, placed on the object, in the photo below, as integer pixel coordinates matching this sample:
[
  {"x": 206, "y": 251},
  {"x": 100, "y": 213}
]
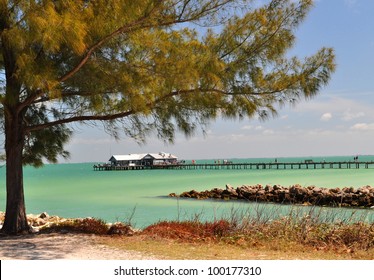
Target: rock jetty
[{"x": 296, "y": 194}]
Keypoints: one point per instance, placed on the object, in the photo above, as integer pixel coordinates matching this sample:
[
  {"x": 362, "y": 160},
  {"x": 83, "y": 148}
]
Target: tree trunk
[{"x": 15, "y": 216}]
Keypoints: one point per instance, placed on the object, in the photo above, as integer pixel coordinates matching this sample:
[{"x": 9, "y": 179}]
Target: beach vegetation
[
  {"x": 141, "y": 67},
  {"x": 253, "y": 233},
  {"x": 242, "y": 235},
  {"x": 311, "y": 229},
  {"x": 86, "y": 225},
  {"x": 299, "y": 235}
]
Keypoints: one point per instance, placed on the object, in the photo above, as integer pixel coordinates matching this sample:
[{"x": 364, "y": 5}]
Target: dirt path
[{"x": 62, "y": 246}]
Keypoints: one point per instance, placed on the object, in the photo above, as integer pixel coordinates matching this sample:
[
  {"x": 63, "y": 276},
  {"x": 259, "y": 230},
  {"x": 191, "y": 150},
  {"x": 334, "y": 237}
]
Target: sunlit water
[{"x": 75, "y": 190}]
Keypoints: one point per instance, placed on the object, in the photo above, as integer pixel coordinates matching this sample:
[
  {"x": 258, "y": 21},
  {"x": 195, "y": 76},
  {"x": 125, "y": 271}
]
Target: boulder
[
  {"x": 44, "y": 215},
  {"x": 230, "y": 191},
  {"x": 229, "y": 187}
]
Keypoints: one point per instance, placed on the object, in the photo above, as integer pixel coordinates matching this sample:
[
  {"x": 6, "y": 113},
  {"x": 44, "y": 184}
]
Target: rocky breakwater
[{"x": 296, "y": 194}]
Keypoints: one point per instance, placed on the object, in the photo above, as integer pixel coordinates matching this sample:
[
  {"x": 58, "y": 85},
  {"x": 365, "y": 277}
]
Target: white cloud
[
  {"x": 348, "y": 115},
  {"x": 344, "y": 109},
  {"x": 333, "y": 104},
  {"x": 246, "y": 127},
  {"x": 268, "y": 132},
  {"x": 363, "y": 126},
  {"x": 326, "y": 117}
]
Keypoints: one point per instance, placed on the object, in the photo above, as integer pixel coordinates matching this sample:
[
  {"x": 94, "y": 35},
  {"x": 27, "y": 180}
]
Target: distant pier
[{"x": 258, "y": 165}]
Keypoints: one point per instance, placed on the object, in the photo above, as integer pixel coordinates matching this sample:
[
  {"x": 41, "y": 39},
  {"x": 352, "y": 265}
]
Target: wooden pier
[{"x": 258, "y": 165}]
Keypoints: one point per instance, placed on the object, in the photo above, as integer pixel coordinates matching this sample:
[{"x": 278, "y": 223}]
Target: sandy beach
[{"x": 62, "y": 246}]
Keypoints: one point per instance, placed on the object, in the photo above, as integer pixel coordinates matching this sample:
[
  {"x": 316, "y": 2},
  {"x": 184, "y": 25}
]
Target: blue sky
[{"x": 339, "y": 121}]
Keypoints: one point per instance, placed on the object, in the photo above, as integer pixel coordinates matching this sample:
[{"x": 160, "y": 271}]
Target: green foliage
[
  {"x": 138, "y": 67},
  {"x": 47, "y": 143}
]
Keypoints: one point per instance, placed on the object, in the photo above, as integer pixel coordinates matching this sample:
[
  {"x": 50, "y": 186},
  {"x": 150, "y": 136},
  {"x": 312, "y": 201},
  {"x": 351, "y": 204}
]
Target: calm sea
[{"x": 75, "y": 190}]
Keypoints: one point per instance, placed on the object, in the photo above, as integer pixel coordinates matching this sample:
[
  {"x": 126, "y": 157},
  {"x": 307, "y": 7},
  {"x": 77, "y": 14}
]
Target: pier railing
[{"x": 258, "y": 165}]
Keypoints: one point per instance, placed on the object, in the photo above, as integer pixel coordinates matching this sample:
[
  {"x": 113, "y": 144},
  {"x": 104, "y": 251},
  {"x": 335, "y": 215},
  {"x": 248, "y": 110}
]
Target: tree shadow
[{"x": 36, "y": 247}]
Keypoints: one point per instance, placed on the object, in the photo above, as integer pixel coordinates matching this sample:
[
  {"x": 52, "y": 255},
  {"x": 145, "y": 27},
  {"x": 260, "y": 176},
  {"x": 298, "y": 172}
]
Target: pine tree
[{"x": 141, "y": 66}]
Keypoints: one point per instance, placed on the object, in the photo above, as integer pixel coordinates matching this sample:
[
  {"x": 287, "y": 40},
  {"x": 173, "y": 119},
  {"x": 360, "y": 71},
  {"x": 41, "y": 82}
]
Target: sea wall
[{"x": 296, "y": 194}]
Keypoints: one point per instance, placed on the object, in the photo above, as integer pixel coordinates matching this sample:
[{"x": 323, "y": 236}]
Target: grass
[
  {"x": 162, "y": 248},
  {"x": 300, "y": 235}
]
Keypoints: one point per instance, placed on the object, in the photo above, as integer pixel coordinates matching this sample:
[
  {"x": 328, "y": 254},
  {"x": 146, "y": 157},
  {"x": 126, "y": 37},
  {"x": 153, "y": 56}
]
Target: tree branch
[
  {"x": 96, "y": 46},
  {"x": 79, "y": 119},
  {"x": 149, "y": 105},
  {"x": 141, "y": 23}
]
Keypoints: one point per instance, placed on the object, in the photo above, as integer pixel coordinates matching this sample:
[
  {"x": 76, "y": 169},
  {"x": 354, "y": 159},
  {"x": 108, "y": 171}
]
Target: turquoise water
[{"x": 75, "y": 190}]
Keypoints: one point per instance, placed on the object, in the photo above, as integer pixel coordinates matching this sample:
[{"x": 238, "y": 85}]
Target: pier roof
[
  {"x": 133, "y": 157},
  {"x": 163, "y": 156},
  {"x": 127, "y": 157}
]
